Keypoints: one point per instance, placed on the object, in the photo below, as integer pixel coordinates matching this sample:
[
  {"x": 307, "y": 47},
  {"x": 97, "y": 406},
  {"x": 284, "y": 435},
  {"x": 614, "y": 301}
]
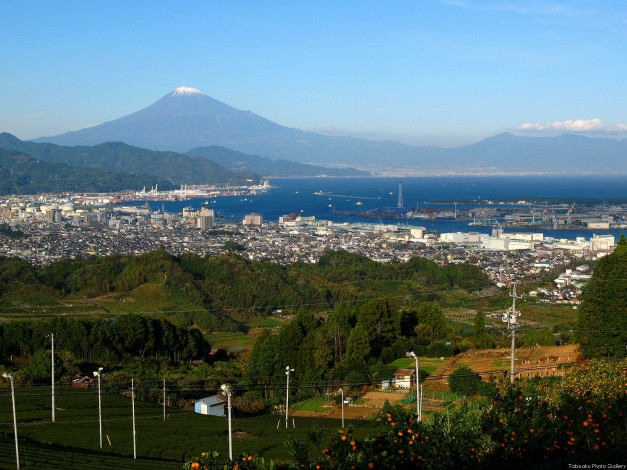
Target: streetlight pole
[
  {"x": 98, "y": 374},
  {"x": 341, "y": 390},
  {"x": 227, "y": 391},
  {"x": 509, "y": 317},
  {"x": 17, "y": 453},
  {"x": 287, "y": 394},
  {"x": 133, "y": 408},
  {"x": 52, "y": 381},
  {"x": 418, "y": 407}
]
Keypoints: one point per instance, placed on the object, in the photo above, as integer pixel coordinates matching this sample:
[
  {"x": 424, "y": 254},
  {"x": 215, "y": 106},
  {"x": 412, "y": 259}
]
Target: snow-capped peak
[{"x": 186, "y": 91}]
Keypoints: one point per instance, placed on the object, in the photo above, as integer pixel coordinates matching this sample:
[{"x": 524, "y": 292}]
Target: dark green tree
[
  {"x": 464, "y": 381},
  {"x": 263, "y": 363},
  {"x": 602, "y": 319},
  {"x": 432, "y": 324},
  {"x": 358, "y": 347},
  {"x": 378, "y": 318},
  {"x": 480, "y": 333}
]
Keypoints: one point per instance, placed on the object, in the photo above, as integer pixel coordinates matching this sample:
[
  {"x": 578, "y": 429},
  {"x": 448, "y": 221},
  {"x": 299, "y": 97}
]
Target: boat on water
[{"x": 359, "y": 203}]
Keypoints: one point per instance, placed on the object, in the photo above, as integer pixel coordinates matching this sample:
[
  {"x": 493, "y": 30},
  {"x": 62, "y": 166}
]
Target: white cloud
[{"x": 573, "y": 125}]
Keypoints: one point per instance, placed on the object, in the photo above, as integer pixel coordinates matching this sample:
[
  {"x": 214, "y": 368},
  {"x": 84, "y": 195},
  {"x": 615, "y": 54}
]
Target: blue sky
[{"x": 426, "y": 72}]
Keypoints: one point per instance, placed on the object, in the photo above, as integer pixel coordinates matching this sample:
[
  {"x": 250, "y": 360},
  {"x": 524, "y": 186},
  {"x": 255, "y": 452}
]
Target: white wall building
[
  {"x": 602, "y": 242},
  {"x": 417, "y": 232},
  {"x": 461, "y": 238},
  {"x": 253, "y": 219}
]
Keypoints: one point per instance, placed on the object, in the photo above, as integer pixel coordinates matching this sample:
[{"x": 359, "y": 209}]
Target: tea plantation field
[
  {"x": 183, "y": 434},
  {"x": 44, "y": 457}
]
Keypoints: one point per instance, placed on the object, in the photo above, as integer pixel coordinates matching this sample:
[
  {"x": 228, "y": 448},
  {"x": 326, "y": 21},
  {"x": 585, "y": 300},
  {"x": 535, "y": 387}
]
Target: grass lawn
[
  {"x": 230, "y": 340},
  {"x": 313, "y": 404},
  {"x": 548, "y": 314},
  {"x": 265, "y": 323},
  {"x": 427, "y": 364},
  {"x": 183, "y": 435}
]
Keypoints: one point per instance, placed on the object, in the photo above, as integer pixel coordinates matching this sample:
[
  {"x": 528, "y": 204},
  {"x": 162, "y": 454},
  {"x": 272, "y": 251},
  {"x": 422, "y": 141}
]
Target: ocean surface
[{"x": 296, "y": 195}]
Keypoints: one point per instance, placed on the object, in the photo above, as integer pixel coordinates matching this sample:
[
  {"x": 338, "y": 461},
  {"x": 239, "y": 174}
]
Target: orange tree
[{"x": 525, "y": 426}]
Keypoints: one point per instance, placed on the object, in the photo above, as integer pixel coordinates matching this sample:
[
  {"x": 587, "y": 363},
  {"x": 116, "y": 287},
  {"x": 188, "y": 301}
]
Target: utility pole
[
  {"x": 287, "y": 394},
  {"x": 509, "y": 317},
  {"x": 98, "y": 374},
  {"x": 17, "y": 453},
  {"x": 227, "y": 391},
  {"x": 164, "y": 399},
  {"x": 418, "y": 407},
  {"x": 133, "y": 408}
]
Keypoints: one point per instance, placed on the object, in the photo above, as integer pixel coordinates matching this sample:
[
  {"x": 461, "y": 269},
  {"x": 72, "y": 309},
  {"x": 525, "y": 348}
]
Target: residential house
[{"x": 405, "y": 378}]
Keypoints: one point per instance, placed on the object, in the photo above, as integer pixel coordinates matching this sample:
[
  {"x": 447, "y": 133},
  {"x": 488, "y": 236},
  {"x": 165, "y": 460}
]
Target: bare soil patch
[
  {"x": 497, "y": 360},
  {"x": 492, "y": 363},
  {"x": 370, "y": 404}
]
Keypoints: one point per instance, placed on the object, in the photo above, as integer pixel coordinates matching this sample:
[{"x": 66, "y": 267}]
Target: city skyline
[{"x": 443, "y": 73}]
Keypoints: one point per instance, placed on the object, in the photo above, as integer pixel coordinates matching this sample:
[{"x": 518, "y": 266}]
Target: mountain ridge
[
  {"x": 183, "y": 121},
  {"x": 239, "y": 161},
  {"x": 21, "y": 173},
  {"x": 119, "y": 157}
]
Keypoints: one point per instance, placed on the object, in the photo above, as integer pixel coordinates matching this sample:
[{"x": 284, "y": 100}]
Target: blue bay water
[{"x": 296, "y": 195}]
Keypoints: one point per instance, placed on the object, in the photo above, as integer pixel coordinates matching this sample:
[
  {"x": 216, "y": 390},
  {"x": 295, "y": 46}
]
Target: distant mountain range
[
  {"x": 118, "y": 157},
  {"x": 238, "y": 162},
  {"x": 566, "y": 154},
  {"x": 23, "y": 174},
  {"x": 186, "y": 119}
]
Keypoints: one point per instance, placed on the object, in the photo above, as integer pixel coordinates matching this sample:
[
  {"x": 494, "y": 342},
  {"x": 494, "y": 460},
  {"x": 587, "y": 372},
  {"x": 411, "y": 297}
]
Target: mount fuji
[{"x": 187, "y": 118}]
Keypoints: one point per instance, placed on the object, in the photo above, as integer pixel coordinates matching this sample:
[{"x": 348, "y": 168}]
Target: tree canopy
[{"x": 602, "y": 319}]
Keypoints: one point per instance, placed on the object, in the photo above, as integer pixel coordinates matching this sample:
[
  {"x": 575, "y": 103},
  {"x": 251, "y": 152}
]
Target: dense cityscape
[{"x": 69, "y": 226}]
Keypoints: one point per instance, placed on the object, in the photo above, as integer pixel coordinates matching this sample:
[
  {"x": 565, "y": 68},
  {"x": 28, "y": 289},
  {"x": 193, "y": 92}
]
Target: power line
[{"x": 176, "y": 414}]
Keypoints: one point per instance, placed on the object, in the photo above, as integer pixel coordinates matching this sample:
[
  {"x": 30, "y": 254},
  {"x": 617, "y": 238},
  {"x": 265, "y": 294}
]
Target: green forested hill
[
  {"x": 373, "y": 310},
  {"x": 228, "y": 288},
  {"x": 119, "y": 157},
  {"x": 23, "y": 174}
]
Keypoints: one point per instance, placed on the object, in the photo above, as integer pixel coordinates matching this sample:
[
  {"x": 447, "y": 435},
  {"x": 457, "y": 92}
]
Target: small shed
[
  {"x": 83, "y": 382},
  {"x": 405, "y": 378},
  {"x": 213, "y": 405}
]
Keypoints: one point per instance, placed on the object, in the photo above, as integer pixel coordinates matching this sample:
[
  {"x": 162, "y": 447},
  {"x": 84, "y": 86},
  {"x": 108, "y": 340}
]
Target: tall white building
[
  {"x": 253, "y": 219},
  {"x": 205, "y": 220}
]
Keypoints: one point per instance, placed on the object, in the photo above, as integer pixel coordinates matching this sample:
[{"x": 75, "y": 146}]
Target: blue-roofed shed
[{"x": 213, "y": 405}]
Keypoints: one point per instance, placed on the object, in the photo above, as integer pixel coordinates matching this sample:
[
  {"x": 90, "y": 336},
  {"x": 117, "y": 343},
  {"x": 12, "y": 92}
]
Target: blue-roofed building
[{"x": 213, "y": 405}]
